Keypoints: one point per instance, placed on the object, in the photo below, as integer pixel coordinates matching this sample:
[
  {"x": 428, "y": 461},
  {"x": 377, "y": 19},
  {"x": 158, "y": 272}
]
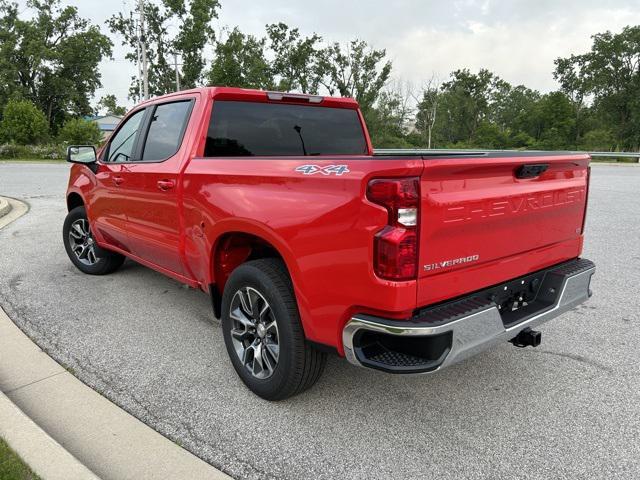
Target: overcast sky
[{"x": 517, "y": 39}]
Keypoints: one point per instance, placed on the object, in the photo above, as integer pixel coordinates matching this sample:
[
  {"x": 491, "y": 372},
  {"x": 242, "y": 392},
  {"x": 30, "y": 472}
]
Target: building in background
[{"x": 107, "y": 123}]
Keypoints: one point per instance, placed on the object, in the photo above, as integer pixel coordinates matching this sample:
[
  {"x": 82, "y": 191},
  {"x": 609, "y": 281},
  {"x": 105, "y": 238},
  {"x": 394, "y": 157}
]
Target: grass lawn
[{"x": 11, "y": 467}]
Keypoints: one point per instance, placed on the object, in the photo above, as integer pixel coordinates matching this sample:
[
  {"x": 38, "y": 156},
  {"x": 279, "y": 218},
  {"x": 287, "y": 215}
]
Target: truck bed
[{"x": 455, "y": 153}]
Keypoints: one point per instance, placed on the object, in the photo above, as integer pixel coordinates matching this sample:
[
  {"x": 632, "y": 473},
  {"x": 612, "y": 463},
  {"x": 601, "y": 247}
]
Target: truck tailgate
[{"x": 482, "y": 225}]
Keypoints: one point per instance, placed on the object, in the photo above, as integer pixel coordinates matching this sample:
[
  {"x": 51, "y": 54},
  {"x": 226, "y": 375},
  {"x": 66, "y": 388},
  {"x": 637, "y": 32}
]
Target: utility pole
[
  {"x": 175, "y": 63},
  {"x": 139, "y": 59},
  {"x": 143, "y": 48}
]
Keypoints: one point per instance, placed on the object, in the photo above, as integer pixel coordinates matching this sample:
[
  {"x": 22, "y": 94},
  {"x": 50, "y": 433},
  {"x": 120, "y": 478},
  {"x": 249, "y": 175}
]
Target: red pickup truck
[{"x": 308, "y": 241}]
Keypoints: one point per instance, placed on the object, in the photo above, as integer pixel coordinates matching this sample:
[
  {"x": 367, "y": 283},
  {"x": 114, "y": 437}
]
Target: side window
[
  {"x": 166, "y": 130},
  {"x": 122, "y": 144}
]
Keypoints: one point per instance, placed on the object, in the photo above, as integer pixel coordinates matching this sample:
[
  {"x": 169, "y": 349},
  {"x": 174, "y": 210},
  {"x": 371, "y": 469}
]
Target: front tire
[
  {"x": 81, "y": 248},
  {"x": 263, "y": 334}
]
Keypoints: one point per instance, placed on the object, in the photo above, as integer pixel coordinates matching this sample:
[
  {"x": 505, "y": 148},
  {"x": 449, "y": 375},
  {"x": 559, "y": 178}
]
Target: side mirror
[{"x": 84, "y": 154}]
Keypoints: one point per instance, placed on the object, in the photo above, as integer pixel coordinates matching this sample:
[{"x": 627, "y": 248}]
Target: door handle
[
  {"x": 118, "y": 180},
  {"x": 165, "y": 185}
]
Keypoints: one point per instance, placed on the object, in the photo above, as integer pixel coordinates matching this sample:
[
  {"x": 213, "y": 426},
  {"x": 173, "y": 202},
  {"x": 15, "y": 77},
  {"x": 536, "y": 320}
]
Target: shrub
[
  {"x": 23, "y": 123},
  {"x": 41, "y": 152},
  {"x": 598, "y": 140},
  {"x": 521, "y": 140},
  {"x": 78, "y": 131},
  {"x": 489, "y": 135}
]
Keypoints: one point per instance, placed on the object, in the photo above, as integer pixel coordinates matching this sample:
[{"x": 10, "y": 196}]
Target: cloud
[
  {"x": 517, "y": 39},
  {"x": 521, "y": 52}
]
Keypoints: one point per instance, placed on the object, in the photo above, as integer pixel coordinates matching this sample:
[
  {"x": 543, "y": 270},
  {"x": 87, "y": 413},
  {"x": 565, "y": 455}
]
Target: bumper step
[{"x": 447, "y": 333}]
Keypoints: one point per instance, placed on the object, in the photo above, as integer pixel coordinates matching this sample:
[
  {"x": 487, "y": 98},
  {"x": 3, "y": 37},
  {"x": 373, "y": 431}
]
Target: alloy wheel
[
  {"x": 254, "y": 332},
  {"x": 82, "y": 243}
]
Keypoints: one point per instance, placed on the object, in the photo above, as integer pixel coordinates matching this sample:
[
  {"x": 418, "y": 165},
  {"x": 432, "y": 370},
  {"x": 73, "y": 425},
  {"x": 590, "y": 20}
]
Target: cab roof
[{"x": 264, "y": 96}]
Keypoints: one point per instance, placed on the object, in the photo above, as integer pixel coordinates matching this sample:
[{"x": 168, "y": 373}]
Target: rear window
[{"x": 240, "y": 129}]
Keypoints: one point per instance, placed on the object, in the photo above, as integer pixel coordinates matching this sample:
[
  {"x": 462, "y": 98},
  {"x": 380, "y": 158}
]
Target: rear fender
[{"x": 263, "y": 232}]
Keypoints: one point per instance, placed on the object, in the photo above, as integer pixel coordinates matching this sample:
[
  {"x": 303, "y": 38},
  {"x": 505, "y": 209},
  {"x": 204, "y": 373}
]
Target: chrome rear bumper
[{"x": 463, "y": 328}]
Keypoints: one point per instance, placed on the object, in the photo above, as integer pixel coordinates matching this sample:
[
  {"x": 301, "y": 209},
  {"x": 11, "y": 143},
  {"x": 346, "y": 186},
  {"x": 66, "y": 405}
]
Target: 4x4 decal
[{"x": 328, "y": 170}]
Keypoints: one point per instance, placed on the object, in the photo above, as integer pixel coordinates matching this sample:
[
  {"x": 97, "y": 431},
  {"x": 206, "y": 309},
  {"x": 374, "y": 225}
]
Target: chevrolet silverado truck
[{"x": 309, "y": 242}]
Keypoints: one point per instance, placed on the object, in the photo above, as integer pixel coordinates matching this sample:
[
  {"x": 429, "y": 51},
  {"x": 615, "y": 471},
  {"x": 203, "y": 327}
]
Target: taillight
[
  {"x": 396, "y": 245},
  {"x": 586, "y": 200}
]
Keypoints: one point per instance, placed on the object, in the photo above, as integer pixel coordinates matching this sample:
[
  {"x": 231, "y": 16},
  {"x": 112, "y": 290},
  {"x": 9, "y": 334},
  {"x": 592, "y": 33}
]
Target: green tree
[
  {"x": 23, "y": 123},
  {"x": 51, "y": 57},
  {"x": 77, "y": 131},
  {"x": 388, "y": 122},
  {"x": 194, "y": 18},
  {"x": 356, "y": 71},
  {"x": 483, "y": 111},
  {"x": 158, "y": 45},
  {"x": 511, "y": 107},
  {"x": 464, "y": 104},
  {"x": 109, "y": 104},
  {"x": 240, "y": 62},
  {"x": 575, "y": 88},
  {"x": 599, "y": 139},
  {"x": 490, "y": 135},
  {"x": 295, "y": 63},
  {"x": 610, "y": 73},
  {"x": 427, "y": 111},
  {"x": 194, "y": 21},
  {"x": 8, "y": 44},
  {"x": 555, "y": 122}
]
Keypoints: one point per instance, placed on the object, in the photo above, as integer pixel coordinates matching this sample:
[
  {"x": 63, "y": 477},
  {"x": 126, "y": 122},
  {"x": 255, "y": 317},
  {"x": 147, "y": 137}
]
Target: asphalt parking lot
[{"x": 568, "y": 409}]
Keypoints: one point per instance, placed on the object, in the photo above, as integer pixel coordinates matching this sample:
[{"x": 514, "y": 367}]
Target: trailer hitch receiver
[{"x": 527, "y": 338}]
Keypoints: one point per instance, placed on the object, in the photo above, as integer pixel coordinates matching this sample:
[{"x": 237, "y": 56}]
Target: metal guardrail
[
  {"x": 469, "y": 152},
  {"x": 616, "y": 155}
]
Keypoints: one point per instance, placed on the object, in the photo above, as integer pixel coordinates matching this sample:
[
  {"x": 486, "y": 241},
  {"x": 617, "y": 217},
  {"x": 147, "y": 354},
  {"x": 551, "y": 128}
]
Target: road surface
[{"x": 568, "y": 409}]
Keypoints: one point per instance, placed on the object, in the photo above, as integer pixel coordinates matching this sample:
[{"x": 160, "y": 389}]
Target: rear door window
[
  {"x": 249, "y": 128},
  {"x": 166, "y": 130}
]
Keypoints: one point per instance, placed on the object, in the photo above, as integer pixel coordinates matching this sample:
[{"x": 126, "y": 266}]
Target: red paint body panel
[
  {"x": 476, "y": 207},
  {"x": 323, "y": 226}
]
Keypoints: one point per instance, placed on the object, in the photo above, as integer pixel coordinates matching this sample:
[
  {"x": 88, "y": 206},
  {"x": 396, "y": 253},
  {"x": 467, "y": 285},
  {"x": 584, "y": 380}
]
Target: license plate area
[{"x": 518, "y": 300}]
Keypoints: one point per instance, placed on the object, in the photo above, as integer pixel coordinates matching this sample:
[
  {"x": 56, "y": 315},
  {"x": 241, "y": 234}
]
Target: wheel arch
[
  {"x": 74, "y": 200},
  {"x": 240, "y": 242}
]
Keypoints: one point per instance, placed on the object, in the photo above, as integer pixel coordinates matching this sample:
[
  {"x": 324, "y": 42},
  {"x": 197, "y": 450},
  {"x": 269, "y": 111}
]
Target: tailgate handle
[{"x": 531, "y": 171}]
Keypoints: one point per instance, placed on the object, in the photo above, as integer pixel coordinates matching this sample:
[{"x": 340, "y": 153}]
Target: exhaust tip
[{"x": 527, "y": 338}]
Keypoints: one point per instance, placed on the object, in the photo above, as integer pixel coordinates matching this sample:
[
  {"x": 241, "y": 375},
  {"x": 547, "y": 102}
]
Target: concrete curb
[
  {"x": 99, "y": 434},
  {"x": 5, "y": 206},
  {"x": 46, "y": 457},
  {"x": 65, "y": 430},
  {"x": 14, "y": 209}
]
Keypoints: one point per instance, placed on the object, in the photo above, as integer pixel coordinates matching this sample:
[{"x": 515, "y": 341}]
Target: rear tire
[
  {"x": 81, "y": 248},
  {"x": 263, "y": 334}
]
